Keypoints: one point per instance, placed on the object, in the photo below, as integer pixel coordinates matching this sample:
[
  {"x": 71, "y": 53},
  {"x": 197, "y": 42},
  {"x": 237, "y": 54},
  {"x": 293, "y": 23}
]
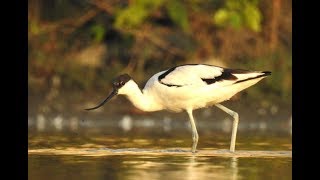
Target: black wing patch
[
  {"x": 165, "y": 74},
  {"x": 170, "y": 85},
  {"x": 226, "y": 75},
  {"x": 266, "y": 73}
]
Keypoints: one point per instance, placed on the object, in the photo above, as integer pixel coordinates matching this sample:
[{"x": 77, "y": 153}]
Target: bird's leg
[
  {"x": 234, "y": 127},
  {"x": 195, "y": 136}
]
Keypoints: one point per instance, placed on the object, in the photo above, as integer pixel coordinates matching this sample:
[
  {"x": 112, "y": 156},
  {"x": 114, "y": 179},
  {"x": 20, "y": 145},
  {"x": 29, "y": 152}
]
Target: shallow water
[
  {"x": 157, "y": 167},
  {"x": 156, "y": 149}
]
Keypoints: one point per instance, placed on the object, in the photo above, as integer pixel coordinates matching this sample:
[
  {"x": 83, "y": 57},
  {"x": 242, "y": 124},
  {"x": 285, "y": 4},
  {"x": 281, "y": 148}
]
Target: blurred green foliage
[
  {"x": 87, "y": 43},
  {"x": 98, "y": 32},
  {"x": 136, "y": 13},
  {"x": 178, "y": 13},
  {"x": 239, "y": 13}
]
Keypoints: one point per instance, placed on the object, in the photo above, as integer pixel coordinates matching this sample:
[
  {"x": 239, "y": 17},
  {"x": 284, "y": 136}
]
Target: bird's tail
[{"x": 251, "y": 75}]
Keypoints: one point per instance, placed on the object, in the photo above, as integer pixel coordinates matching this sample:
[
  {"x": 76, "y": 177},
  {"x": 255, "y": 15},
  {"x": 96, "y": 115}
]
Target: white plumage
[{"x": 188, "y": 87}]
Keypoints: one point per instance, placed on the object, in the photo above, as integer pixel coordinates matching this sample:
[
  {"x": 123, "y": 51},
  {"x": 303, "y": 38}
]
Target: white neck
[{"x": 140, "y": 100}]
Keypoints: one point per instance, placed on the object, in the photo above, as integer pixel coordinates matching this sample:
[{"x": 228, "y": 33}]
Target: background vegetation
[{"x": 77, "y": 47}]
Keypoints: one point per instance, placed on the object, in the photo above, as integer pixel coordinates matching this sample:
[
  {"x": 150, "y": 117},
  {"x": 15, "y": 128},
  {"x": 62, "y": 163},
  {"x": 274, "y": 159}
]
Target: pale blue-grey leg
[
  {"x": 234, "y": 127},
  {"x": 195, "y": 136}
]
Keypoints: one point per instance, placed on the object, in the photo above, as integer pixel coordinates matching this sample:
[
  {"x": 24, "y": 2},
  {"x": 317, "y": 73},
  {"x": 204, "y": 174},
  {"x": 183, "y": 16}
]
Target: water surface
[{"x": 120, "y": 149}]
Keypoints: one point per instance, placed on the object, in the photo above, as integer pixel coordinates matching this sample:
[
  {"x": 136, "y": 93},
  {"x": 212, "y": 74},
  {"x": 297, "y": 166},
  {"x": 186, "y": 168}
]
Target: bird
[{"x": 187, "y": 87}]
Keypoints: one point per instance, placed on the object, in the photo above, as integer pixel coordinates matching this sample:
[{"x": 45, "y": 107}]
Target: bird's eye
[{"x": 121, "y": 83}]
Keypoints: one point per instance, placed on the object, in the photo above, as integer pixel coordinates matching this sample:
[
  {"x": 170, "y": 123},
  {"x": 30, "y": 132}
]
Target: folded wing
[{"x": 204, "y": 75}]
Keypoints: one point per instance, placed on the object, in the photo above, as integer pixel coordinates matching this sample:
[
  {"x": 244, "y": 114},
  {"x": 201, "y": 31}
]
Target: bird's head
[{"x": 120, "y": 85}]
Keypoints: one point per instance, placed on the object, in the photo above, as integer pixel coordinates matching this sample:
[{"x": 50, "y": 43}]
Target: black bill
[{"x": 113, "y": 93}]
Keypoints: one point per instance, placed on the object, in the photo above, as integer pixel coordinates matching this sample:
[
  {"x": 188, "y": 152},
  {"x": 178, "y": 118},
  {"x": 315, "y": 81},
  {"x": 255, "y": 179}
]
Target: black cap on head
[
  {"x": 117, "y": 83},
  {"x": 120, "y": 81}
]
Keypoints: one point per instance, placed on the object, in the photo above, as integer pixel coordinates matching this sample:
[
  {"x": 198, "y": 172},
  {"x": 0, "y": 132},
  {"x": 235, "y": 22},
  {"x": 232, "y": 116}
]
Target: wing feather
[
  {"x": 189, "y": 75},
  {"x": 202, "y": 74}
]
